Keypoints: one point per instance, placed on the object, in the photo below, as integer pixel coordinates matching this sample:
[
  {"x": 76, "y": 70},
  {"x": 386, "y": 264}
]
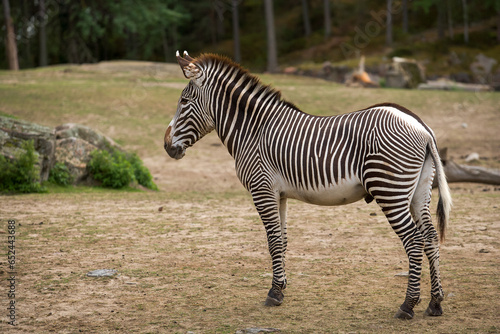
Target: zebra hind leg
[
  {"x": 422, "y": 217},
  {"x": 399, "y": 216}
]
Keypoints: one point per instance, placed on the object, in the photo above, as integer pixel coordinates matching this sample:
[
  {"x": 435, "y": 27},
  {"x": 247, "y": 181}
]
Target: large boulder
[
  {"x": 74, "y": 143},
  {"x": 404, "y": 73},
  {"x": 70, "y": 144},
  {"x": 14, "y": 132}
]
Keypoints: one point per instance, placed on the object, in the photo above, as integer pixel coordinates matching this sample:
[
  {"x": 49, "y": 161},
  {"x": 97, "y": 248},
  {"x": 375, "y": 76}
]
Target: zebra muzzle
[{"x": 176, "y": 152}]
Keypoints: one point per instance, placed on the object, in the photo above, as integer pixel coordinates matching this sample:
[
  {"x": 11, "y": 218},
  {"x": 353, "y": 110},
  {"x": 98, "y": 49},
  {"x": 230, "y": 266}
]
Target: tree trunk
[
  {"x": 441, "y": 18},
  {"x": 405, "y": 16},
  {"x": 328, "y": 21},
  {"x": 42, "y": 34},
  {"x": 10, "y": 41},
  {"x": 475, "y": 174},
  {"x": 388, "y": 31},
  {"x": 236, "y": 32},
  {"x": 450, "y": 20},
  {"x": 219, "y": 8},
  {"x": 26, "y": 50},
  {"x": 463, "y": 173},
  {"x": 272, "y": 53},
  {"x": 466, "y": 22},
  {"x": 305, "y": 16},
  {"x": 166, "y": 50},
  {"x": 498, "y": 26}
]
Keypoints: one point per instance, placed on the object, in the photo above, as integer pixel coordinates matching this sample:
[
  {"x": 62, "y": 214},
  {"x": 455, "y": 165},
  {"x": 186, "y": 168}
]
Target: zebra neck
[{"x": 240, "y": 125}]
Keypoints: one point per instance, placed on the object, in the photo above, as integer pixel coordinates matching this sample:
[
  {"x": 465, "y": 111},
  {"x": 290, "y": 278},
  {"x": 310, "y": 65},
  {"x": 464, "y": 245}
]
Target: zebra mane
[{"x": 207, "y": 60}]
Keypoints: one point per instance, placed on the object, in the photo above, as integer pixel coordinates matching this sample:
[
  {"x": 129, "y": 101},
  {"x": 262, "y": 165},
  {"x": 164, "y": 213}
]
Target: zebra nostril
[{"x": 176, "y": 152}]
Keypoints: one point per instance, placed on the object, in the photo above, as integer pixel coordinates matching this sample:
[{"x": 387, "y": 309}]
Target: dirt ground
[
  {"x": 193, "y": 257},
  {"x": 201, "y": 263}
]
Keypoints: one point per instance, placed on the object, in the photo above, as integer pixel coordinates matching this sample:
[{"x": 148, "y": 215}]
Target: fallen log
[{"x": 464, "y": 173}]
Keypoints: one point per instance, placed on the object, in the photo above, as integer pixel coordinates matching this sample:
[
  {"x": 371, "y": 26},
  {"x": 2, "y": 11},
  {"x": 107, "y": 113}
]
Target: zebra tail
[{"x": 445, "y": 201}]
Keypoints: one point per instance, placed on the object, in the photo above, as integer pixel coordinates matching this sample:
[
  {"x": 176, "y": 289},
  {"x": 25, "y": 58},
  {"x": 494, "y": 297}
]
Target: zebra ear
[{"x": 191, "y": 71}]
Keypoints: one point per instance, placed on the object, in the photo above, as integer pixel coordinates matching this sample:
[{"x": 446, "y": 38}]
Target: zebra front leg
[
  {"x": 267, "y": 206},
  {"x": 282, "y": 210}
]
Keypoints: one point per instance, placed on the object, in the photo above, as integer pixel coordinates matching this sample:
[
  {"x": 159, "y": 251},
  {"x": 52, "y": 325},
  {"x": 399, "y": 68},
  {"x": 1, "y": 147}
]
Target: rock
[
  {"x": 482, "y": 68},
  {"x": 472, "y": 157},
  {"x": 334, "y": 73},
  {"x": 14, "y": 132},
  {"x": 256, "y": 330},
  {"x": 74, "y": 143},
  {"x": 495, "y": 80},
  {"x": 75, "y": 154},
  {"x": 102, "y": 273},
  {"x": 93, "y": 137},
  {"x": 404, "y": 73},
  {"x": 462, "y": 77},
  {"x": 403, "y": 274},
  {"x": 446, "y": 84}
]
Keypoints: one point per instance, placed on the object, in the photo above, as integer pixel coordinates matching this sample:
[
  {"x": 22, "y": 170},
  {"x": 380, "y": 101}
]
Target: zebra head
[{"x": 192, "y": 120}]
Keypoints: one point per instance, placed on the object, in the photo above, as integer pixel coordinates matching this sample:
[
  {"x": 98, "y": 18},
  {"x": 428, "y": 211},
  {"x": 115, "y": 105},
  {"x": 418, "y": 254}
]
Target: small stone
[
  {"x": 373, "y": 214},
  {"x": 482, "y": 250},
  {"x": 102, "y": 273},
  {"x": 256, "y": 330},
  {"x": 451, "y": 295},
  {"x": 464, "y": 125},
  {"x": 403, "y": 274},
  {"x": 160, "y": 209}
]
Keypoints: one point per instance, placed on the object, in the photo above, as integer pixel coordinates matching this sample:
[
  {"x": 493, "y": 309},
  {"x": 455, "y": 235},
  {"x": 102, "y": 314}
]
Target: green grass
[{"x": 134, "y": 108}]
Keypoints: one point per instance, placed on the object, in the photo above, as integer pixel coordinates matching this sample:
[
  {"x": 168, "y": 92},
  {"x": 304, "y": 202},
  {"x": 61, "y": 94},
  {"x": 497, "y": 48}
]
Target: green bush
[
  {"x": 112, "y": 170},
  {"x": 60, "y": 175},
  {"x": 117, "y": 169},
  {"x": 141, "y": 173},
  {"x": 20, "y": 175}
]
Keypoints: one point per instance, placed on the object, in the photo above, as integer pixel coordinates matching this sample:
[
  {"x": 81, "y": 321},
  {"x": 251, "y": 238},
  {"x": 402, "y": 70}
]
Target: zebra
[{"x": 384, "y": 153}]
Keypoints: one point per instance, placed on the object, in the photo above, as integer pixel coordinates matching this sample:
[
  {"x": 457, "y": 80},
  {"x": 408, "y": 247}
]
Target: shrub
[
  {"x": 141, "y": 173},
  {"x": 20, "y": 174},
  {"x": 117, "y": 169},
  {"x": 60, "y": 175},
  {"x": 111, "y": 169}
]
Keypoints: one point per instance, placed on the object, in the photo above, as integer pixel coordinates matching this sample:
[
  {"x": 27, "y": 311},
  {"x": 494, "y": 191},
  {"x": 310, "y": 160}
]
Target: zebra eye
[{"x": 184, "y": 100}]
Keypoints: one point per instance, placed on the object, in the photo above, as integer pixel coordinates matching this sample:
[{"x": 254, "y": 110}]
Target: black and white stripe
[{"x": 384, "y": 152}]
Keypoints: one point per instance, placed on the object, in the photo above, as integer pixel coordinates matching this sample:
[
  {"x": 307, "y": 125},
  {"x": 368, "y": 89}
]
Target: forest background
[{"x": 262, "y": 35}]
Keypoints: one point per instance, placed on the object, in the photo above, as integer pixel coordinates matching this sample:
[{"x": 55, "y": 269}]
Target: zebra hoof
[
  {"x": 404, "y": 313},
  {"x": 274, "y": 298},
  {"x": 434, "y": 309}
]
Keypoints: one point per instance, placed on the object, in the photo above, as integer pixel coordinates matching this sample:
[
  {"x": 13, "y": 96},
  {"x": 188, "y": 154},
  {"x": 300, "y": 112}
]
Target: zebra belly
[{"x": 347, "y": 191}]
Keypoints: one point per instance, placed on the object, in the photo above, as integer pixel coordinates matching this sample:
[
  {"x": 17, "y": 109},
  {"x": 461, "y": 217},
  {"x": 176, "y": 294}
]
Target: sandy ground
[{"x": 193, "y": 257}]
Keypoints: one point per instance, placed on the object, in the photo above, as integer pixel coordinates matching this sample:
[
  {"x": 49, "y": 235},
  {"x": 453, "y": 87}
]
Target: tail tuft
[{"x": 445, "y": 202}]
